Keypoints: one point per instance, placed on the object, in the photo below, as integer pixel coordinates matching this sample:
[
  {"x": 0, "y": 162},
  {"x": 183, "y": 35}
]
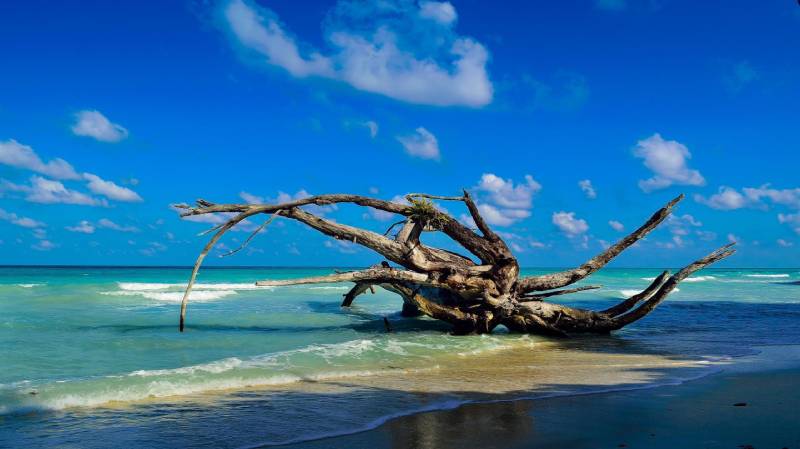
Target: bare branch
[
  {"x": 256, "y": 232},
  {"x": 411, "y": 196},
  {"x": 487, "y": 232},
  {"x": 556, "y": 280},
  {"x": 228, "y": 225},
  {"x": 670, "y": 284},
  {"x": 629, "y": 303},
  {"x": 541, "y": 296}
]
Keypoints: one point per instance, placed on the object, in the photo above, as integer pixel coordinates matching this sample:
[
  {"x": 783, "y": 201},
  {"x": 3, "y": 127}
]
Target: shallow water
[{"x": 92, "y": 355}]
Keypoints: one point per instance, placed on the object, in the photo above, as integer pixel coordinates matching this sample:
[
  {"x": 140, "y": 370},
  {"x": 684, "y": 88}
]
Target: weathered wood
[
  {"x": 564, "y": 278},
  {"x": 447, "y": 286}
]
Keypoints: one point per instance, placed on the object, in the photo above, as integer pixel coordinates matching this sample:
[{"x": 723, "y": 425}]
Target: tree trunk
[{"x": 473, "y": 297}]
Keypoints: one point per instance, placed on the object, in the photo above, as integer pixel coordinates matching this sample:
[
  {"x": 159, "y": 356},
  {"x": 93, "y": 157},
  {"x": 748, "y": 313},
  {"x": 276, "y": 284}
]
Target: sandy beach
[{"x": 739, "y": 407}]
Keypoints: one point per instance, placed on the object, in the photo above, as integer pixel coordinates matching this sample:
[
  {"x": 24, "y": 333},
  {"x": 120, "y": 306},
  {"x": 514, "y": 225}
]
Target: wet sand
[{"x": 737, "y": 408}]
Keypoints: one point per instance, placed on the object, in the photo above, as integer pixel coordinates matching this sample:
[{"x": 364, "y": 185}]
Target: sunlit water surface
[{"x": 91, "y": 356}]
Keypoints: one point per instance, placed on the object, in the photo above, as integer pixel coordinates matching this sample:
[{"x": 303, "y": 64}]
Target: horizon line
[{"x": 233, "y": 267}]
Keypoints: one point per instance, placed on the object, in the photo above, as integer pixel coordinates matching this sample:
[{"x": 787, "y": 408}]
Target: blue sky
[{"x": 570, "y": 121}]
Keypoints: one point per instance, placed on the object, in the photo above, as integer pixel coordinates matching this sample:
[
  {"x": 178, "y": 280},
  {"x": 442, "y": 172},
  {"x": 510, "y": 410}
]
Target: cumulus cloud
[
  {"x": 422, "y": 62},
  {"x": 93, "y": 124},
  {"x": 43, "y": 190},
  {"x": 154, "y": 248},
  {"x": 110, "y": 190},
  {"x": 617, "y": 226},
  {"x": 667, "y": 159},
  {"x": 785, "y": 243},
  {"x": 728, "y": 198},
  {"x": 568, "y": 224},
  {"x": 22, "y": 156},
  {"x": 725, "y": 199},
  {"x": 503, "y": 203},
  {"x": 588, "y": 189},
  {"x": 25, "y": 222},
  {"x": 83, "y": 227},
  {"x": 793, "y": 220},
  {"x": 784, "y": 197},
  {"x": 108, "y": 224},
  {"x": 44, "y": 245},
  {"x": 504, "y": 193},
  {"x": 47, "y": 191},
  {"x": 249, "y": 198},
  {"x": 421, "y": 144},
  {"x": 682, "y": 224},
  {"x": 441, "y": 12}
]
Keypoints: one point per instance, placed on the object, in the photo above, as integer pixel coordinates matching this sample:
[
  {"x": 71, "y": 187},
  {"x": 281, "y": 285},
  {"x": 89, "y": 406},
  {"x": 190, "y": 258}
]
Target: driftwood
[{"x": 474, "y": 296}]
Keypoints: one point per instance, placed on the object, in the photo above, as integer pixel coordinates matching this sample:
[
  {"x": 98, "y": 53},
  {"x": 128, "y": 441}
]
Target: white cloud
[
  {"x": 373, "y": 128},
  {"x": 94, "y": 124},
  {"x": 504, "y": 193},
  {"x": 707, "y": 235},
  {"x": 681, "y": 224},
  {"x": 588, "y": 189},
  {"x": 501, "y": 202},
  {"x": 47, "y": 191},
  {"x": 155, "y": 247},
  {"x": 793, "y": 220},
  {"x": 733, "y": 238},
  {"x": 728, "y": 198},
  {"x": 25, "y": 222},
  {"x": 502, "y": 217},
  {"x": 785, "y": 197},
  {"x": 667, "y": 159},
  {"x": 249, "y": 198},
  {"x": 110, "y": 190},
  {"x": 84, "y": 227},
  {"x": 44, "y": 245},
  {"x": 617, "y": 226},
  {"x": 108, "y": 224},
  {"x": 785, "y": 243},
  {"x": 18, "y": 155},
  {"x": 676, "y": 242},
  {"x": 369, "y": 55},
  {"x": 725, "y": 199},
  {"x": 568, "y": 224},
  {"x": 441, "y": 12},
  {"x": 421, "y": 144}
]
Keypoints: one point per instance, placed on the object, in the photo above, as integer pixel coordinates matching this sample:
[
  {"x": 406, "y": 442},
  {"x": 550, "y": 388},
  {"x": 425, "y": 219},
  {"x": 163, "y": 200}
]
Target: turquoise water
[{"x": 92, "y": 355}]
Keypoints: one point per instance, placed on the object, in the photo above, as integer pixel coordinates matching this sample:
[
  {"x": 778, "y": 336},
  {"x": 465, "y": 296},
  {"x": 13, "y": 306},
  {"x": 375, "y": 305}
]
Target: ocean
[{"x": 92, "y": 356}]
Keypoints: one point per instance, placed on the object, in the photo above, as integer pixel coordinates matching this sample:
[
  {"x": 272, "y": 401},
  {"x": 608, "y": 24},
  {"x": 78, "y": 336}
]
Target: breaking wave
[{"x": 316, "y": 362}]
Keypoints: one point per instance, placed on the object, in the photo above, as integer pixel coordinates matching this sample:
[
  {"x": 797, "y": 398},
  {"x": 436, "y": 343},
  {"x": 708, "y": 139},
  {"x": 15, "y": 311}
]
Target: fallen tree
[{"x": 474, "y": 297}]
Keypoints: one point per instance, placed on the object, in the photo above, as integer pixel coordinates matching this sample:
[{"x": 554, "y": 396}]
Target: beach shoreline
[{"x": 750, "y": 403}]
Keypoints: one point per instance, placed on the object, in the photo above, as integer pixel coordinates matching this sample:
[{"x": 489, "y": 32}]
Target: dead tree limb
[{"x": 452, "y": 287}]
